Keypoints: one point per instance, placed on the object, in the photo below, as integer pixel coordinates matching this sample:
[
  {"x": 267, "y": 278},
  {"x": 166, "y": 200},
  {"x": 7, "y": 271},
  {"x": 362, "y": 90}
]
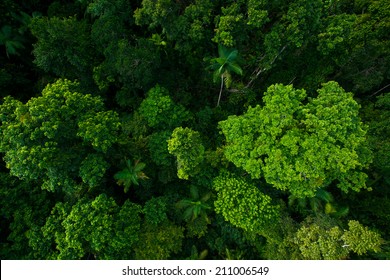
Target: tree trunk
[{"x": 220, "y": 91}]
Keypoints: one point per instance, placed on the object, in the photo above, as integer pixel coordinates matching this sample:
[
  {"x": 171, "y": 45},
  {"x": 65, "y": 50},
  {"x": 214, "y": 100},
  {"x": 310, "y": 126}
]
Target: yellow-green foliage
[
  {"x": 185, "y": 144},
  {"x": 361, "y": 239},
  {"x": 301, "y": 147},
  {"x": 243, "y": 204},
  {"x": 319, "y": 240}
]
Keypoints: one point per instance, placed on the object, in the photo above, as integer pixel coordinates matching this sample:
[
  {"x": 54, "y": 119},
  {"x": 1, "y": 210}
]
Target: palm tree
[
  {"x": 131, "y": 174},
  {"x": 322, "y": 201},
  {"x": 223, "y": 66},
  {"x": 195, "y": 206}
]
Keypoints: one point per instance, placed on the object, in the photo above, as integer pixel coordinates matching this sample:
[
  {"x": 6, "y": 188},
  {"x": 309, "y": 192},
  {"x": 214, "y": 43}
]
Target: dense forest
[{"x": 195, "y": 129}]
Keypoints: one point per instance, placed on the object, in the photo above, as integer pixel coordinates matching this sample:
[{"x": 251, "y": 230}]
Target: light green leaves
[
  {"x": 300, "y": 147},
  {"x": 243, "y": 204},
  {"x": 187, "y": 146},
  {"x": 321, "y": 240},
  {"x": 100, "y": 129},
  {"x": 92, "y": 169},
  {"x": 360, "y": 239}
]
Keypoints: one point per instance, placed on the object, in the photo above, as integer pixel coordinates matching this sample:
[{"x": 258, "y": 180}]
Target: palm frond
[
  {"x": 223, "y": 51},
  {"x": 216, "y": 76},
  {"x": 130, "y": 175},
  {"x": 184, "y": 203},
  {"x": 232, "y": 56},
  {"x": 342, "y": 212},
  {"x": 227, "y": 77},
  {"x": 235, "y": 68},
  {"x": 324, "y": 195},
  {"x": 188, "y": 214}
]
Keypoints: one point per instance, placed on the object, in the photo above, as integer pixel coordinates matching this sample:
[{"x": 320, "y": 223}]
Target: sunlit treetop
[
  {"x": 59, "y": 137},
  {"x": 300, "y": 145}
]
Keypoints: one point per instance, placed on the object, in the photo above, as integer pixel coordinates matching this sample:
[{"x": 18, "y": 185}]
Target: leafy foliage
[
  {"x": 155, "y": 211},
  {"x": 286, "y": 169},
  {"x": 185, "y": 144},
  {"x": 160, "y": 111},
  {"x": 317, "y": 242},
  {"x": 158, "y": 147},
  {"x": 242, "y": 203},
  {"x": 99, "y": 227},
  {"x": 72, "y": 56},
  {"x": 159, "y": 243},
  {"x": 323, "y": 201},
  {"x": 300, "y": 147},
  {"x": 224, "y": 66},
  {"x": 360, "y": 239},
  {"x": 100, "y": 129},
  {"x": 47, "y": 138},
  {"x": 131, "y": 174},
  {"x": 195, "y": 212},
  {"x": 194, "y": 206}
]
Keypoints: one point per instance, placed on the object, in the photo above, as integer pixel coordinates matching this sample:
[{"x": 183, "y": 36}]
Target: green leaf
[
  {"x": 235, "y": 68},
  {"x": 232, "y": 56}
]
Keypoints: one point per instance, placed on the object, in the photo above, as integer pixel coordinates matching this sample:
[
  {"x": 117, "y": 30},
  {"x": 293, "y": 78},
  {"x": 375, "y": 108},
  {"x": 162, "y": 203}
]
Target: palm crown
[{"x": 224, "y": 66}]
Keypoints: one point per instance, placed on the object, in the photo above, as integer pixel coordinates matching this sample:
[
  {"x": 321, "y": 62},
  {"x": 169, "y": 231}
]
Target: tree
[
  {"x": 195, "y": 212},
  {"x": 131, "y": 174},
  {"x": 301, "y": 147},
  {"x": 243, "y": 204},
  {"x": 323, "y": 201},
  {"x": 279, "y": 180},
  {"x": 58, "y": 138},
  {"x": 159, "y": 243},
  {"x": 93, "y": 228},
  {"x": 72, "y": 56},
  {"x": 24, "y": 209},
  {"x": 195, "y": 206},
  {"x": 224, "y": 66},
  {"x": 320, "y": 240},
  {"x": 160, "y": 111},
  {"x": 186, "y": 145}
]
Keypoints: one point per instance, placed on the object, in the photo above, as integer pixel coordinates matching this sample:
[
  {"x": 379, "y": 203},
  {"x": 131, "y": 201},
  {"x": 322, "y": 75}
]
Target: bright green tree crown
[
  {"x": 243, "y": 204},
  {"x": 297, "y": 146}
]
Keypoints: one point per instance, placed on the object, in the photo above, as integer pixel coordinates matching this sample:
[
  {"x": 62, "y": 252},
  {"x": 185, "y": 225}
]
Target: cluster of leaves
[
  {"x": 300, "y": 147},
  {"x": 316, "y": 241},
  {"x": 160, "y": 111},
  {"x": 243, "y": 204},
  {"x": 195, "y": 212},
  {"x": 131, "y": 174},
  {"x": 45, "y": 138},
  {"x": 72, "y": 56},
  {"x": 186, "y": 145},
  {"x": 97, "y": 228}
]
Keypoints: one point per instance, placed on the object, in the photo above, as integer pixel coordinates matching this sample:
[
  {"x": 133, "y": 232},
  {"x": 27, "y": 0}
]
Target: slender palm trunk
[{"x": 220, "y": 91}]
